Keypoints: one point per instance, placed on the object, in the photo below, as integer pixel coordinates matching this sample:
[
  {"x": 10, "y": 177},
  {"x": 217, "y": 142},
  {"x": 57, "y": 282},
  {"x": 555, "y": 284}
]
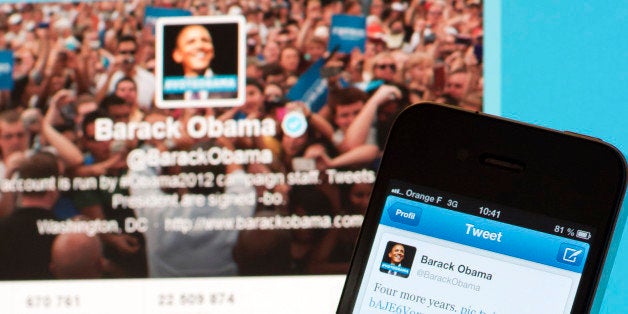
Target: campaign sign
[
  {"x": 6, "y": 69},
  {"x": 311, "y": 88},
  {"x": 369, "y": 86},
  {"x": 214, "y": 84},
  {"x": 200, "y": 61},
  {"x": 347, "y": 32},
  {"x": 151, "y": 14}
]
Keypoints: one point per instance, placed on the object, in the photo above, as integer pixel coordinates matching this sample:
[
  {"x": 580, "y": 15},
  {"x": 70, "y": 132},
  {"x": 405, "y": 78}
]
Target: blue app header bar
[{"x": 482, "y": 233}]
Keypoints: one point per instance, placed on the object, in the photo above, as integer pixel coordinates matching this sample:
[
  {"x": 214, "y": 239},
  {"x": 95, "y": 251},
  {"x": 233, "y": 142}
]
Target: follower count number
[
  {"x": 52, "y": 301},
  {"x": 195, "y": 299}
]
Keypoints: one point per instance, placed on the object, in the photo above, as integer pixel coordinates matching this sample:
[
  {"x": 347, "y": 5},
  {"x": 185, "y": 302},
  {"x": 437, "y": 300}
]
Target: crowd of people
[{"x": 74, "y": 63}]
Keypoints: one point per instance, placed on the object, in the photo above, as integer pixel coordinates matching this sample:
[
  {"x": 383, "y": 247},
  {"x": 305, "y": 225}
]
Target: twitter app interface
[{"x": 438, "y": 253}]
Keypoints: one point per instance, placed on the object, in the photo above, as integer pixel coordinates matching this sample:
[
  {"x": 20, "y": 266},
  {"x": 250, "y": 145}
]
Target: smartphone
[
  {"x": 477, "y": 214},
  {"x": 463, "y": 40},
  {"x": 439, "y": 78},
  {"x": 329, "y": 71}
]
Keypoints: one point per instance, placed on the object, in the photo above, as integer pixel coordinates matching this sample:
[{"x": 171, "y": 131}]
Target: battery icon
[{"x": 586, "y": 235}]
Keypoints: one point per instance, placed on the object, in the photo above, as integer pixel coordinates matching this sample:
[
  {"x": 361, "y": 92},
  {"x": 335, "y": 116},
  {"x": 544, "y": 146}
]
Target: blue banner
[
  {"x": 6, "y": 69},
  {"x": 490, "y": 235},
  {"x": 151, "y": 14},
  {"x": 347, "y": 32},
  {"x": 214, "y": 84},
  {"x": 395, "y": 268},
  {"x": 369, "y": 86},
  {"x": 311, "y": 88}
]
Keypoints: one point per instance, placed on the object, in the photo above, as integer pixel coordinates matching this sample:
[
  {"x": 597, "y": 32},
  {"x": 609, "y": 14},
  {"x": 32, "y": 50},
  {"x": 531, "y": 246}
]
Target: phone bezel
[{"x": 572, "y": 177}]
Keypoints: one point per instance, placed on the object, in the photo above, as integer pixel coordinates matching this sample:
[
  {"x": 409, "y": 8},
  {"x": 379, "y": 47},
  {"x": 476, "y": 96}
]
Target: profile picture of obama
[
  {"x": 199, "y": 62},
  {"x": 194, "y": 51},
  {"x": 397, "y": 259}
]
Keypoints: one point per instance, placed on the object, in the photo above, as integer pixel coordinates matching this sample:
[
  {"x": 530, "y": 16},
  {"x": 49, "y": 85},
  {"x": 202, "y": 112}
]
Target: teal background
[{"x": 564, "y": 65}]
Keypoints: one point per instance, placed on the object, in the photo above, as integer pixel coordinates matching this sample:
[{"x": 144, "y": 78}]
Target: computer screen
[{"x": 191, "y": 156}]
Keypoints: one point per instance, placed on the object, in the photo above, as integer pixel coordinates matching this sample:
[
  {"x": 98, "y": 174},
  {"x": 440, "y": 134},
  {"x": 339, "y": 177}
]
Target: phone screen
[{"x": 437, "y": 252}]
